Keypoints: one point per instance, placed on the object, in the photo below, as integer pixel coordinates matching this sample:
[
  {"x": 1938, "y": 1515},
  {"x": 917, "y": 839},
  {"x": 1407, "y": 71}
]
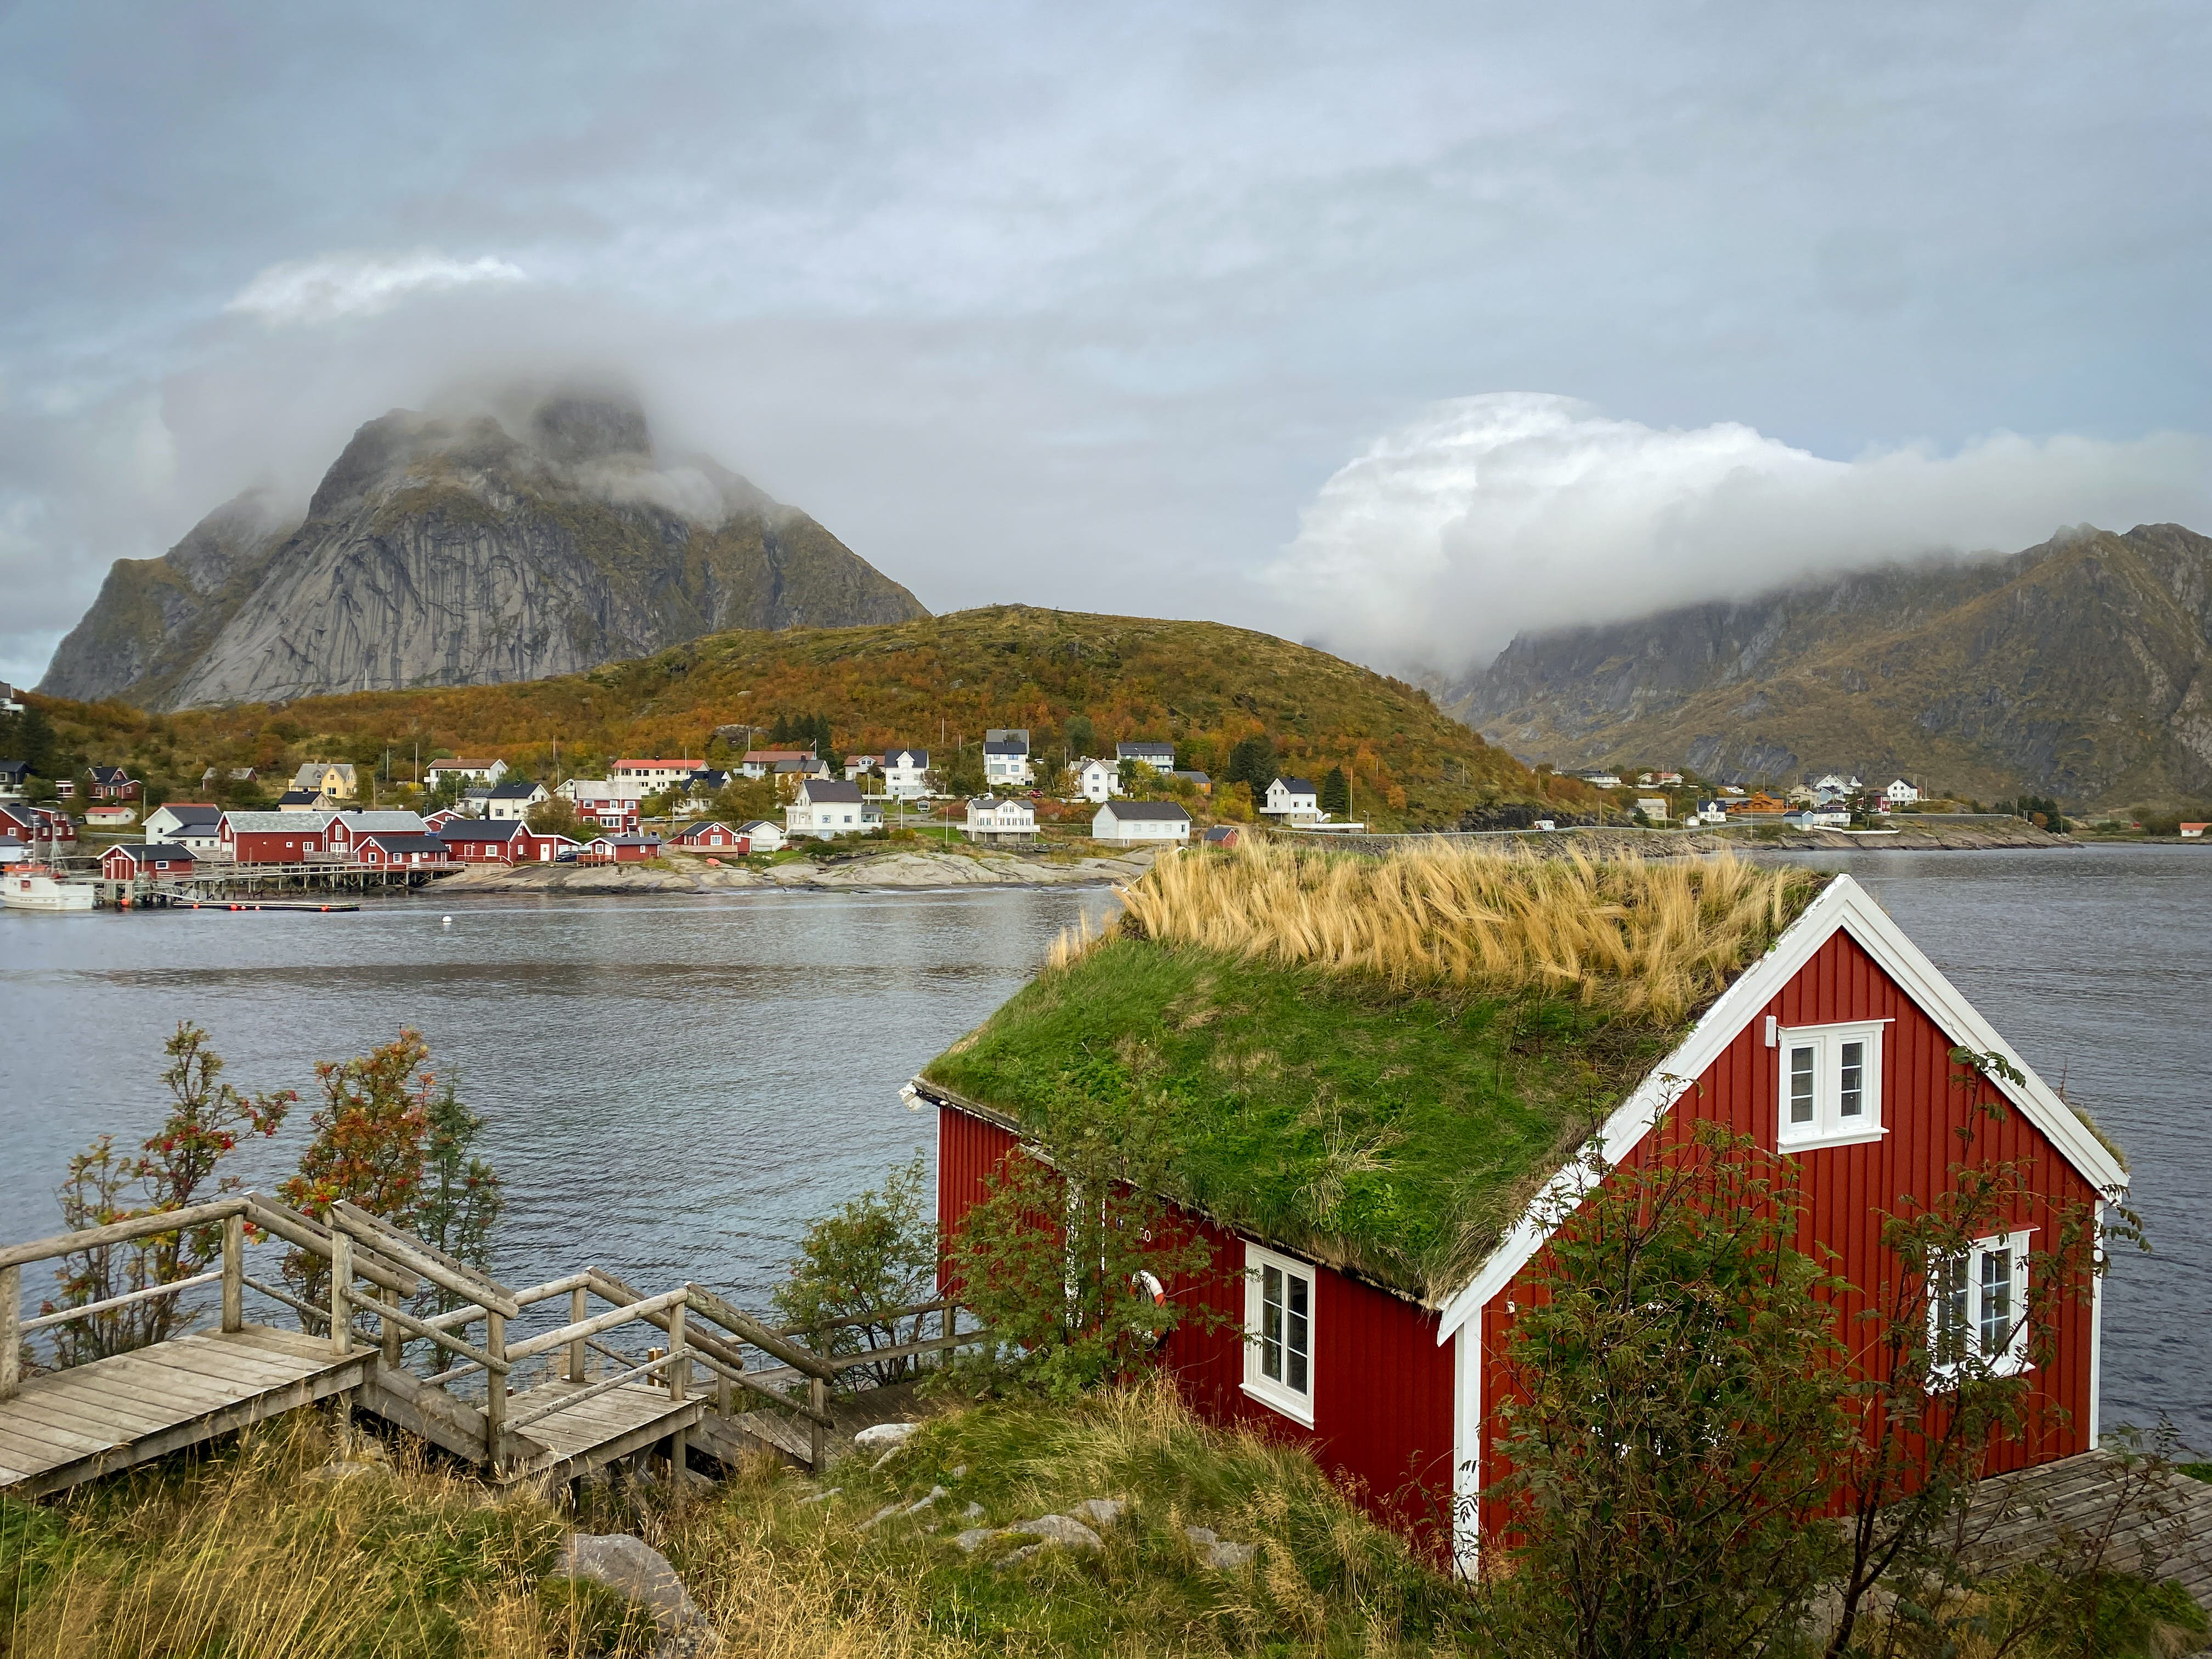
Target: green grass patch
[{"x": 1396, "y": 1133}]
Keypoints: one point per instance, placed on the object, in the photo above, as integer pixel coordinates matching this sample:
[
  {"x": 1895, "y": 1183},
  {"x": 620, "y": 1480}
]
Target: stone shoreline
[{"x": 905, "y": 869}]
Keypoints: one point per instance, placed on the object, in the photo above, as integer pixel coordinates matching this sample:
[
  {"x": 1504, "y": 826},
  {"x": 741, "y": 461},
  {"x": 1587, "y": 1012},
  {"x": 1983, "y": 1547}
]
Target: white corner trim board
[{"x": 1842, "y": 905}]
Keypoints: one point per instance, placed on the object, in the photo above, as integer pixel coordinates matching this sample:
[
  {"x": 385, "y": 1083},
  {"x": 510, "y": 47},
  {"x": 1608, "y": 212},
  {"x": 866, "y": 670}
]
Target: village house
[
  {"x": 1097, "y": 780},
  {"x": 619, "y": 849},
  {"x": 651, "y": 777},
  {"x": 37, "y": 827},
  {"x": 1600, "y": 779},
  {"x": 392, "y": 849},
  {"x": 270, "y": 837},
  {"x": 1224, "y": 836},
  {"x": 236, "y": 775},
  {"x": 344, "y": 829},
  {"x": 991, "y": 818},
  {"x": 1006, "y": 757},
  {"x": 1198, "y": 781},
  {"x": 1653, "y": 807},
  {"x": 1759, "y": 806},
  {"x": 825, "y": 807},
  {"x": 195, "y": 825},
  {"x": 759, "y": 763},
  {"x": 13, "y": 847},
  {"x": 596, "y": 801},
  {"x": 1351, "y": 1331},
  {"x": 333, "y": 778},
  {"x": 1901, "y": 794},
  {"x": 1140, "y": 821},
  {"x": 1292, "y": 800},
  {"x": 761, "y": 836},
  {"x": 10, "y": 702},
  {"x": 479, "y": 768},
  {"x": 305, "y": 801},
  {"x": 159, "y": 861},
  {"x": 710, "y": 836},
  {"x": 513, "y": 801},
  {"x": 110, "y": 815},
  {"x": 1160, "y": 756},
  {"x": 503, "y": 842},
  {"x": 1835, "y": 783},
  {"x": 15, "y": 778},
  {"x": 906, "y": 772},
  {"x": 114, "y": 783}
]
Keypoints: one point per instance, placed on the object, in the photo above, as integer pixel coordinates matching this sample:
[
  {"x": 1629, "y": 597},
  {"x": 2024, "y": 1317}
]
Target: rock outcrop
[
  {"x": 2081, "y": 669},
  {"x": 452, "y": 552}
]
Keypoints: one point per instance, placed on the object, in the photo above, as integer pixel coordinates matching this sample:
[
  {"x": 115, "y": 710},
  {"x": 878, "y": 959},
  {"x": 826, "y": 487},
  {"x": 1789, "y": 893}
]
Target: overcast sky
[{"x": 1393, "y": 327}]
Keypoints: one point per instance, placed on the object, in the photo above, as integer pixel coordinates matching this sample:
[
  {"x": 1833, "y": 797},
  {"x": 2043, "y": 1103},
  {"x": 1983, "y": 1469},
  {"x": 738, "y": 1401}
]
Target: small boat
[{"x": 37, "y": 889}]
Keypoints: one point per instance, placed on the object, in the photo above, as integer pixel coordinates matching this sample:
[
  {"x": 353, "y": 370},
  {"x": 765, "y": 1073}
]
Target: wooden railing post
[
  {"x": 579, "y": 1308},
  {"x": 11, "y": 1331},
  {"x": 233, "y": 1271},
  {"x": 341, "y": 1288},
  {"x": 817, "y": 1438},
  {"x": 341, "y": 1335},
  {"x": 679, "y": 1366},
  {"x": 393, "y": 1336},
  {"x": 495, "y": 1389}
]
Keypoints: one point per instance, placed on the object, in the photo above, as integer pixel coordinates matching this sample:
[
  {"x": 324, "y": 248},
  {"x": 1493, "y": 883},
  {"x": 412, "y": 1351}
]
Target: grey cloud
[{"x": 1076, "y": 306}]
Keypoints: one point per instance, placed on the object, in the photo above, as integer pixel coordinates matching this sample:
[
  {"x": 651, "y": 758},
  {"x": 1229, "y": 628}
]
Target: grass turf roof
[{"x": 1392, "y": 1124}]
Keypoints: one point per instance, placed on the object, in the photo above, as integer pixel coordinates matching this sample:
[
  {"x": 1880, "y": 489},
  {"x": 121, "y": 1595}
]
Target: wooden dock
[
  {"x": 719, "y": 1382},
  {"x": 2132, "y": 1515}
]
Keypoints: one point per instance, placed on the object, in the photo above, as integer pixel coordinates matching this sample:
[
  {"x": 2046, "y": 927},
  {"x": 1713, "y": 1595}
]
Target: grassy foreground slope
[
  {"x": 931, "y": 683},
  {"x": 250, "y": 1553}
]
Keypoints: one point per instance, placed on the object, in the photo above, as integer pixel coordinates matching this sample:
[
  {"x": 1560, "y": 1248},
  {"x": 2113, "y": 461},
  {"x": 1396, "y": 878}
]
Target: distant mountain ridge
[
  {"x": 445, "y": 552},
  {"x": 2079, "y": 669}
]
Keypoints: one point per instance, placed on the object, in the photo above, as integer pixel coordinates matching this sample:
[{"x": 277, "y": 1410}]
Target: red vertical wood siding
[
  {"x": 1383, "y": 1387},
  {"x": 1847, "y": 1189}
]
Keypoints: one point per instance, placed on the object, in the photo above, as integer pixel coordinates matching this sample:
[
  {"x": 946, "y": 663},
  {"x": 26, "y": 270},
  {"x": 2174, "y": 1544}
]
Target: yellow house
[{"x": 332, "y": 778}]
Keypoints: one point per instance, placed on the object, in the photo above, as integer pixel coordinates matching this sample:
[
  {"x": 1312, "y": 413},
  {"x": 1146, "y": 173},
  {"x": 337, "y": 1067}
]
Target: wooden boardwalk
[
  {"x": 591, "y": 1404},
  {"x": 2135, "y": 1520},
  {"x": 115, "y": 1413}
]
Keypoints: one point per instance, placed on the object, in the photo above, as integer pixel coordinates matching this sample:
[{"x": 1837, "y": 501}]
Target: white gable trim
[{"x": 1842, "y": 905}]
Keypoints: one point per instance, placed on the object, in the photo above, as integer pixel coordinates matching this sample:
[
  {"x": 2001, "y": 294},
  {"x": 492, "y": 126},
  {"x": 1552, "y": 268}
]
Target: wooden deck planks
[
  {"x": 2166, "y": 1534},
  {"x": 68, "y": 1426}
]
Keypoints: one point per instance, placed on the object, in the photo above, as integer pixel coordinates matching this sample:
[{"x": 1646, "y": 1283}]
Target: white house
[
  {"x": 1097, "y": 780},
  {"x": 1835, "y": 783},
  {"x": 761, "y": 836},
  {"x": 906, "y": 774},
  {"x": 1292, "y": 800},
  {"x": 1006, "y": 756},
  {"x": 193, "y": 825},
  {"x": 513, "y": 800},
  {"x": 831, "y": 807},
  {"x": 759, "y": 763},
  {"x": 1653, "y": 807},
  {"x": 1600, "y": 780},
  {"x": 989, "y": 816},
  {"x": 1140, "y": 820},
  {"x": 1710, "y": 811},
  {"x": 472, "y": 768},
  {"x": 1160, "y": 756},
  {"x": 1901, "y": 794}
]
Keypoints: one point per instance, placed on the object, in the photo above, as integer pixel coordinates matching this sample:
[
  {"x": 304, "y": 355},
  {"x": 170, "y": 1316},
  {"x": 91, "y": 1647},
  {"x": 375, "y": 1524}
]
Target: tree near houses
[
  {"x": 1252, "y": 762},
  {"x": 867, "y": 1261},
  {"x": 179, "y": 1165},
  {"x": 555, "y": 815},
  {"x": 1336, "y": 793}
]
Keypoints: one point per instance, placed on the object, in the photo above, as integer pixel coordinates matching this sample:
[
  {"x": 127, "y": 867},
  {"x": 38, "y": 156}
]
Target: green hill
[{"x": 934, "y": 683}]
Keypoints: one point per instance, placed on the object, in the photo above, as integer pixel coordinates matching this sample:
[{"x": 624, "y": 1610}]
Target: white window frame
[
  {"x": 2013, "y": 1359},
  {"x": 1828, "y": 1126},
  {"x": 1276, "y": 1393}
]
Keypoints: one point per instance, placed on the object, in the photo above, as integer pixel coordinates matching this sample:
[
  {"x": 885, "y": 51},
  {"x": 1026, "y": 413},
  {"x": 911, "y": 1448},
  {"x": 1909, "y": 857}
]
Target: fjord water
[{"x": 674, "y": 1087}]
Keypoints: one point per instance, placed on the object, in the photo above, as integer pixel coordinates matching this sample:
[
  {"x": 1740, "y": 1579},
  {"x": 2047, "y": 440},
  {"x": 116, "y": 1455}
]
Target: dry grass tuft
[{"x": 1637, "y": 936}]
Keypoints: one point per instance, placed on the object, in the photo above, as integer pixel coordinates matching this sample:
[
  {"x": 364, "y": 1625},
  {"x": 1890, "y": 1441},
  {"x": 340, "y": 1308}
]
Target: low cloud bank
[
  {"x": 1517, "y": 511},
  {"x": 337, "y": 285}
]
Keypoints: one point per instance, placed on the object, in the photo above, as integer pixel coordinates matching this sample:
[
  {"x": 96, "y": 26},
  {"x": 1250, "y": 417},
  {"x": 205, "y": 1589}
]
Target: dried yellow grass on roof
[{"x": 1641, "y": 936}]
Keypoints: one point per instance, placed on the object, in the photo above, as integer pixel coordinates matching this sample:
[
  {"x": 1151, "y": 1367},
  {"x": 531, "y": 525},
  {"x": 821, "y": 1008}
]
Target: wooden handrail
[
  {"x": 423, "y": 1328},
  {"x": 471, "y": 1277},
  {"x": 413, "y": 1254},
  {"x": 120, "y": 1232},
  {"x": 66, "y": 1314},
  {"x": 596, "y": 1323},
  {"x": 726, "y": 1358},
  {"x": 742, "y": 1325},
  {"x": 310, "y": 1235}
]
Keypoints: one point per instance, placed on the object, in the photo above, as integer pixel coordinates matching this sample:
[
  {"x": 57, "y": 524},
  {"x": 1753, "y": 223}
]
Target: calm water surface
[{"x": 674, "y": 1088}]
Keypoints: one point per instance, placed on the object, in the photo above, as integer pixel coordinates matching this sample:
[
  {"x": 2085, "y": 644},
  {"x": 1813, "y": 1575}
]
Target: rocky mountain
[
  {"x": 2081, "y": 669},
  {"x": 454, "y": 552}
]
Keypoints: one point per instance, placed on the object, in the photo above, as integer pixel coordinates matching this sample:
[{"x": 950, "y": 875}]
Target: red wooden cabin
[
  {"x": 1833, "y": 1050},
  {"x": 158, "y": 859},
  {"x": 502, "y": 841},
  {"x": 273, "y": 837},
  {"x": 620, "y": 849},
  {"x": 710, "y": 834}
]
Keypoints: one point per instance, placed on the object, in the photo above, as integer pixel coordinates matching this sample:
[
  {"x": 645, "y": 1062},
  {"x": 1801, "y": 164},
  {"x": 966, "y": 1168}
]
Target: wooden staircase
[{"x": 545, "y": 1407}]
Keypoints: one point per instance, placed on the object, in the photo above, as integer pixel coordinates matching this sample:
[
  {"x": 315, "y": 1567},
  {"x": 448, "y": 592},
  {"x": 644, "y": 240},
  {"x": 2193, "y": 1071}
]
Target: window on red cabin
[
  {"x": 1279, "y": 1318},
  {"x": 1978, "y": 1308},
  {"x": 1830, "y": 1085}
]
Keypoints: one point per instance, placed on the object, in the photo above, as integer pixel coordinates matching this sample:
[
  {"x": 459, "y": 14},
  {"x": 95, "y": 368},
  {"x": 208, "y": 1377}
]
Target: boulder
[
  {"x": 1102, "y": 1511},
  {"x": 882, "y": 1437},
  {"x": 630, "y": 1566},
  {"x": 1060, "y": 1529}
]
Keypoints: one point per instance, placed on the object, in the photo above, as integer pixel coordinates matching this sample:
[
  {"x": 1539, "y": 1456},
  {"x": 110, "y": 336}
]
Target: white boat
[{"x": 35, "y": 890}]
